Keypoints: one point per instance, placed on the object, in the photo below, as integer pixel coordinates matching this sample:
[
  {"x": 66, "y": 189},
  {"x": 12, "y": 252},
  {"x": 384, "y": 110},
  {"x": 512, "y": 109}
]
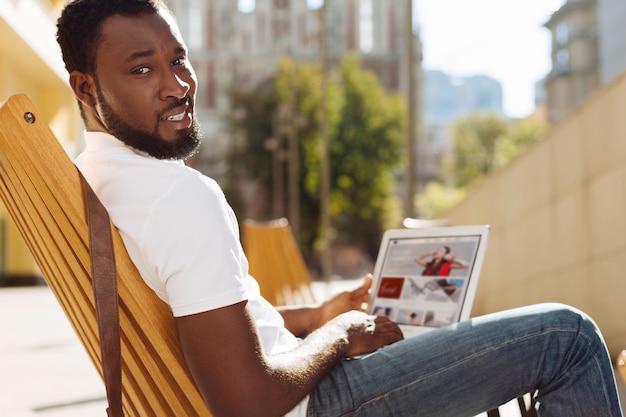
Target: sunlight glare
[
  {"x": 246, "y": 6},
  {"x": 314, "y": 4}
]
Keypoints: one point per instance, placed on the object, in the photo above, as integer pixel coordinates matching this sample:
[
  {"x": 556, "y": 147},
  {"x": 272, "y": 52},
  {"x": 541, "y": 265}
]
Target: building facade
[
  {"x": 447, "y": 99},
  {"x": 588, "y": 52},
  {"x": 234, "y": 47},
  {"x": 612, "y": 34},
  {"x": 576, "y": 65},
  {"x": 30, "y": 63}
]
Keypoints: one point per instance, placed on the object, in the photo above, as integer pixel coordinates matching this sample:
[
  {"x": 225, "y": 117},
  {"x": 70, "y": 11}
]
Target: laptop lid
[{"x": 427, "y": 278}]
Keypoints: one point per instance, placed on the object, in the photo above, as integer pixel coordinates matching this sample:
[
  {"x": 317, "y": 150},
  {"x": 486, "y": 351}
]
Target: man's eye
[
  {"x": 142, "y": 70},
  {"x": 179, "y": 61}
]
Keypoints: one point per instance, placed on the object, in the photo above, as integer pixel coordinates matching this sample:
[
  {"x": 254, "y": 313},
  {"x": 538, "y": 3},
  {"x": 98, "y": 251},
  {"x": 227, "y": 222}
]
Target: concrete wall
[{"x": 558, "y": 217}]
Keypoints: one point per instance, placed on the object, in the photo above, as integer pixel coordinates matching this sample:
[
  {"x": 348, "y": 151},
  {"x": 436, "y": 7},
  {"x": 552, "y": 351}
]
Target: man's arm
[
  {"x": 223, "y": 352},
  {"x": 302, "y": 320}
]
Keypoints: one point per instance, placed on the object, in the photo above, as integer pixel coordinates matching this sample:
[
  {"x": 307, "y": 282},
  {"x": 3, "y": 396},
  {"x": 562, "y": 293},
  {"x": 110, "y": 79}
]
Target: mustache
[{"x": 185, "y": 101}]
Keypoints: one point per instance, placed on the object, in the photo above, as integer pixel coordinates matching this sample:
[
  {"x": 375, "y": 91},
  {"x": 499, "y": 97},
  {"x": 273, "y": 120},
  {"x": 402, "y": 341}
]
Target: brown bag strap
[{"x": 104, "y": 278}]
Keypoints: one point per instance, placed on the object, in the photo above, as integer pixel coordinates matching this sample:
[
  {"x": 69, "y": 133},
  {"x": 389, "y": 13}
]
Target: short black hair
[{"x": 78, "y": 27}]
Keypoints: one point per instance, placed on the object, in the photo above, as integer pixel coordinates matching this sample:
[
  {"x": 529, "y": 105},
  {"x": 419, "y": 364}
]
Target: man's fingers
[{"x": 387, "y": 329}]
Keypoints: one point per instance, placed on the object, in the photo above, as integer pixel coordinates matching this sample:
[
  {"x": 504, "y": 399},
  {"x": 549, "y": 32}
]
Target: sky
[{"x": 504, "y": 39}]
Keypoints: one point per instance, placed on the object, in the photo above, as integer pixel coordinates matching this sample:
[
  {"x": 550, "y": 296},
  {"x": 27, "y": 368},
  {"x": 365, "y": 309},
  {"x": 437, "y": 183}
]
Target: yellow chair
[
  {"x": 41, "y": 188},
  {"x": 276, "y": 262}
]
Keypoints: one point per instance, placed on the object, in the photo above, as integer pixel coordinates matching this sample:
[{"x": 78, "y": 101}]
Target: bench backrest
[
  {"x": 41, "y": 189},
  {"x": 276, "y": 262}
]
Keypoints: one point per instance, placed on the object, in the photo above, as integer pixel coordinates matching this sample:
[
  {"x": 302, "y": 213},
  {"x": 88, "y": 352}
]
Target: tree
[
  {"x": 519, "y": 137},
  {"x": 437, "y": 198},
  {"x": 366, "y": 135},
  {"x": 366, "y": 143},
  {"x": 482, "y": 142},
  {"x": 475, "y": 139}
]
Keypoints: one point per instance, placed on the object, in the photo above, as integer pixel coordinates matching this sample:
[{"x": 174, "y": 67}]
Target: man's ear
[{"x": 84, "y": 88}]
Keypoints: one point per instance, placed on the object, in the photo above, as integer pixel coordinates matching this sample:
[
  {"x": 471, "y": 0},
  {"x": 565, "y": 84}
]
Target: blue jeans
[{"x": 469, "y": 368}]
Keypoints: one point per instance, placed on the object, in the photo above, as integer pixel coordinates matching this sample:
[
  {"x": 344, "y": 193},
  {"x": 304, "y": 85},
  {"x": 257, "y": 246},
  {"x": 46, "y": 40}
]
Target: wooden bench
[
  {"x": 276, "y": 262},
  {"x": 41, "y": 188}
]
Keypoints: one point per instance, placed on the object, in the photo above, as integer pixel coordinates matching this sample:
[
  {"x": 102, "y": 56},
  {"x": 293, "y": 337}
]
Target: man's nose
[{"x": 174, "y": 86}]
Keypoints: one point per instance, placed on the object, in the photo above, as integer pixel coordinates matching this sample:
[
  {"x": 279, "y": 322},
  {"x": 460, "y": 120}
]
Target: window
[
  {"x": 561, "y": 34},
  {"x": 562, "y": 60},
  {"x": 314, "y": 4},
  {"x": 246, "y": 6},
  {"x": 196, "y": 35},
  {"x": 366, "y": 25}
]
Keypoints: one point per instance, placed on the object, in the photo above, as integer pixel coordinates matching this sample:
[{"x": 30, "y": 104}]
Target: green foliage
[
  {"x": 366, "y": 130},
  {"x": 521, "y": 135},
  {"x": 437, "y": 199},
  {"x": 366, "y": 142},
  {"x": 251, "y": 121},
  {"x": 475, "y": 139},
  {"x": 482, "y": 142}
]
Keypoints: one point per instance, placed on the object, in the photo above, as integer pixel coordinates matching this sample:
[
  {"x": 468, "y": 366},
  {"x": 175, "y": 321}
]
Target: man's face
[{"x": 145, "y": 87}]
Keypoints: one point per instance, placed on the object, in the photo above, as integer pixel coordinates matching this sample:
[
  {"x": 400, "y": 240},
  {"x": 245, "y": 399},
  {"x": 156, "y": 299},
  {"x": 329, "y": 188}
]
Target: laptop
[{"x": 427, "y": 278}]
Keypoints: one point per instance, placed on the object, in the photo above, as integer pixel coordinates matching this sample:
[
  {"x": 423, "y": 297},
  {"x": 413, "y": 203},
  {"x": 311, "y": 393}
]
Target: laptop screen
[{"x": 428, "y": 278}]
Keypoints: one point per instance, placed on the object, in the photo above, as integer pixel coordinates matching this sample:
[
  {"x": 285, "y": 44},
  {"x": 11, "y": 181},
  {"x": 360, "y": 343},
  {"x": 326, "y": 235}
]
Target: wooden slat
[
  {"x": 41, "y": 188},
  {"x": 276, "y": 262}
]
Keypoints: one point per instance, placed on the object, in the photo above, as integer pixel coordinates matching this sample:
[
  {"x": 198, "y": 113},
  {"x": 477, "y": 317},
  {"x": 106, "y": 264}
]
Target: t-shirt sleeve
[{"x": 191, "y": 239}]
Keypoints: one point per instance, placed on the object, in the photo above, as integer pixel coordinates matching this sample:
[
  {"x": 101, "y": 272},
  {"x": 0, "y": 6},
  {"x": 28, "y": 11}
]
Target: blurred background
[{"x": 348, "y": 117}]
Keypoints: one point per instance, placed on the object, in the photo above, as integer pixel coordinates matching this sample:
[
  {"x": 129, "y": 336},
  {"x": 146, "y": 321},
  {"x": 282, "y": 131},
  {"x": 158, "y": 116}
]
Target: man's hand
[
  {"x": 223, "y": 352},
  {"x": 302, "y": 320},
  {"x": 366, "y": 333},
  {"x": 346, "y": 301}
]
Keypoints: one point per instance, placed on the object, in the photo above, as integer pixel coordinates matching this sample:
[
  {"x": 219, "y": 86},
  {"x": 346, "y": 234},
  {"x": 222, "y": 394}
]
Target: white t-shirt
[{"x": 181, "y": 234}]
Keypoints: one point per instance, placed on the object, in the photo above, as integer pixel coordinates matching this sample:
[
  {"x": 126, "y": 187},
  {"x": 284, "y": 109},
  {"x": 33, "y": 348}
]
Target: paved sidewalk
[{"x": 44, "y": 370}]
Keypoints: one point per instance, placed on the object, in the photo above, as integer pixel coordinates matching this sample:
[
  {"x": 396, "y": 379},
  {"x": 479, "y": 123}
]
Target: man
[{"x": 130, "y": 72}]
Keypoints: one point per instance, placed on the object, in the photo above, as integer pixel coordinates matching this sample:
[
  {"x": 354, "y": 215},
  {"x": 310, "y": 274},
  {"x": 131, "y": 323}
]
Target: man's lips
[
  {"x": 176, "y": 117},
  {"x": 179, "y": 113}
]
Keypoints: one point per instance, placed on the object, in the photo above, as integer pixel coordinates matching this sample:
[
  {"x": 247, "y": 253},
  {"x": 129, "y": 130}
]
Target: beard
[{"x": 183, "y": 147}]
